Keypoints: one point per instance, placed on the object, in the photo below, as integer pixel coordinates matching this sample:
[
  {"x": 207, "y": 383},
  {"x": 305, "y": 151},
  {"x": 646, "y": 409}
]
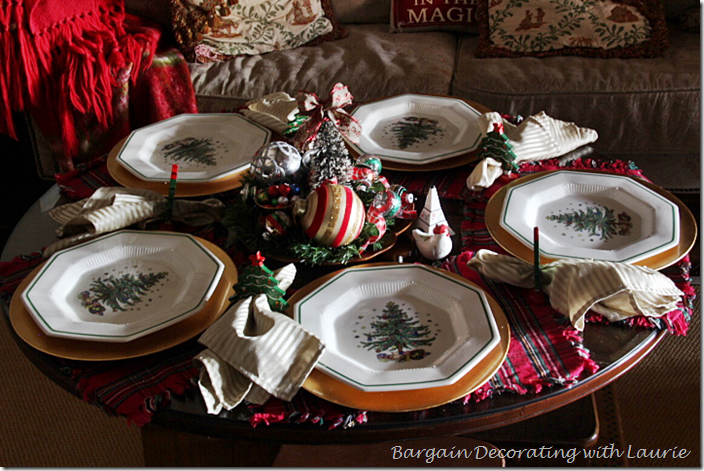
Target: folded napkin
[
  {"x": 538, "y": 137},
  {"x": 274, "y": 111},
  {"x": 254, "y": 353},
  {"x": 615, "y": 290},
  {"x": 113, "y": 208}
]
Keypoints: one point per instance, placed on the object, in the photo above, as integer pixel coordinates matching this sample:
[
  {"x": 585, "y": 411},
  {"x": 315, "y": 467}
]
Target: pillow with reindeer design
[{"x": 216, "y": 30}]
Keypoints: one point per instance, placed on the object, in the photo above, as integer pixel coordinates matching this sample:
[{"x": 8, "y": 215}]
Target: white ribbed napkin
[
  {"x": 615, "y": 290},
  {"x": 113, "y": 208},
  {"x": 274, "y": 111},
  {"x": 538, "y": 137},
  {"x": 254, "y": 352}
]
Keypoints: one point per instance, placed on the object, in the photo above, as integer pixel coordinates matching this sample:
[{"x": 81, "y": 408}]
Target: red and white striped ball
[{"x": 334, "y": 215}]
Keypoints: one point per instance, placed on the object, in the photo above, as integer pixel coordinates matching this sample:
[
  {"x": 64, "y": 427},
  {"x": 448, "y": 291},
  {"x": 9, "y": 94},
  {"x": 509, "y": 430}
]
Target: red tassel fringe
[{"x": 67, "y": 66}]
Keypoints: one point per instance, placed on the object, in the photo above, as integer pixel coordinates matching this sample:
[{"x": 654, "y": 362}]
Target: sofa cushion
[
  {"x": 361, "y": 11},
  {"x": 371, "y": 61},
  {"x": 638, "y": 106}
]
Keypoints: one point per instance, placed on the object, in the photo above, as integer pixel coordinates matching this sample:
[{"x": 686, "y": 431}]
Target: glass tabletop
[{"x": 613, "y": 349}]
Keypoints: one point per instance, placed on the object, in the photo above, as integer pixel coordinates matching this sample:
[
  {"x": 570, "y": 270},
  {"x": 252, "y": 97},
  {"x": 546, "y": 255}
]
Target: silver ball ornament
[{"x": 275, "y": 161}]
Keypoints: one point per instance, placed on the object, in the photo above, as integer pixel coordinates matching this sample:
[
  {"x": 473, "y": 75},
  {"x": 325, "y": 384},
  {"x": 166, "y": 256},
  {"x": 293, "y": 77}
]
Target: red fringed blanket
[{"x": 66, "y": 59}]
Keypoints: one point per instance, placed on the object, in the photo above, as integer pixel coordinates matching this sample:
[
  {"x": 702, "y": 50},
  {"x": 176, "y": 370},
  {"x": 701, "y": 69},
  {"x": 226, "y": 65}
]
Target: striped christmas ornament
[{"x": 333, "y": 215}]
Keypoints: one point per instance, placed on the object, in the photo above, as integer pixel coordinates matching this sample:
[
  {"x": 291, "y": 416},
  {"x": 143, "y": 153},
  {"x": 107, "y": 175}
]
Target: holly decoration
[
  {"x": 258, "y": 279},
  {"x": 396, "y": 332},
  {"x": 497, "y": 146}
]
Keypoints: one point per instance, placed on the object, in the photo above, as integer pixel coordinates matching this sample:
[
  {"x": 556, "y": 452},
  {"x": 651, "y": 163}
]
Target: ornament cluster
[
  {"x": 309, "y": 195},
  {"x": 334, "y": 200}
]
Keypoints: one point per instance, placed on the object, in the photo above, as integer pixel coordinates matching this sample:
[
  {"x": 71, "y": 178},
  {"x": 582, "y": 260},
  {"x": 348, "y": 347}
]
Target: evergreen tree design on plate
[
  {"x": 191, "y": 150},
  {"x": 413, "y": 130},
  {"x": 118, "y": 292},
  {"x": 399, "y": 334},
  {"x": 596, "y": 220}
]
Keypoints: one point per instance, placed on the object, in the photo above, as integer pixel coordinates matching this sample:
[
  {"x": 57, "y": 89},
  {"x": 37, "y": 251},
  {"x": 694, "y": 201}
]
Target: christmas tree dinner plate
[
  {"x": 417, "y": 130},
  {"x": 584, "y": 215},
  {"x": 86, "y": 350},
  {"x": 206, "y": 147},
  {"x": 122, "y": 286},
  {"x": 398, "y": 327}
]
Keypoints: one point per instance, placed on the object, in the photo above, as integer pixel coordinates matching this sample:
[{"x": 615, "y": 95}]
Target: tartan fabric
[
  {"x": 450, "y": 184},
  {"x": 136, "y": 388},
  {"x": 85, "y": 179},
  {"x": 306, "y": 408},
  {"x": 475, "y": 236},
  {"x": 545, "y": 351}
]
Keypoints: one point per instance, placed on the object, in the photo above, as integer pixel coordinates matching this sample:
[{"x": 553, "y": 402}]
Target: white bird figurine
[{"x": 434, "y": 245}]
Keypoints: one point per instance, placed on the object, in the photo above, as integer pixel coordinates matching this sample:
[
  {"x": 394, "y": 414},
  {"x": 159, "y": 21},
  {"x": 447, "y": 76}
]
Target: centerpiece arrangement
[{"x": 308, "y": 200}]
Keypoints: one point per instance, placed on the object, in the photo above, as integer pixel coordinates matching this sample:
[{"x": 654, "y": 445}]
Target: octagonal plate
[
  {"x": 206, "y": 147},
  {"x": 398, "y": 327},
  {"x": 122, "y": 286},
  {"x": 417, "y": 129},
  {"x": 591, "y": 216}
]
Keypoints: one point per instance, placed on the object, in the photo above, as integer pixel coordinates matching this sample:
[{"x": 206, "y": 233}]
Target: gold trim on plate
[
  {"x": 183, "y": 189},
  {"x": 74, "y": 349},
  {"x": 445, "y": 164},
  {"x": 331, "y": 389},
  {"x": 510, "y": 243}
]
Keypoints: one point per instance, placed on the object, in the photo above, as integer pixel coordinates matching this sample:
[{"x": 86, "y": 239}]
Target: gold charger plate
[
  {"x": 445, "y": 164},
  {"x": 72, "y": 349},
  {"x": 183, "y": 189},
  {"x": 688, "y": 225},
  {"x": 334, "y": 390}
]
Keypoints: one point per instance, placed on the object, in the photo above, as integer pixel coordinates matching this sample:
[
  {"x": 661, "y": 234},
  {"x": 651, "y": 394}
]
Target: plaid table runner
[{"x": 545, "y": 350}]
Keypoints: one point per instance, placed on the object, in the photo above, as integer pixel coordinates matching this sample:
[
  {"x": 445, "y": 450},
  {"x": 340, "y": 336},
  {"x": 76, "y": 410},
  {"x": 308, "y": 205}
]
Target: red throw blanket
[{"x": 66, "y": 59}]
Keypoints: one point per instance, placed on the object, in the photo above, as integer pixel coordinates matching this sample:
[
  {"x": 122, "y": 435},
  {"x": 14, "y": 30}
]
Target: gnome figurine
[{"x": 432, "y": 214}]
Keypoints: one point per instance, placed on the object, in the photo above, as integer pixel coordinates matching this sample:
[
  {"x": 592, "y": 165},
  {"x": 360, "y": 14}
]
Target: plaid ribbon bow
[{"x": 331, "y": 109}]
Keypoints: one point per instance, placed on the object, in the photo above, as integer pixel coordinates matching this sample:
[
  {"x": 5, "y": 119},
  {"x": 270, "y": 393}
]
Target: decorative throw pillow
[
  {"x": 215, "y": 30},
  {"x": 433, "y": 15},
  {"x": 593, "y": 28}
]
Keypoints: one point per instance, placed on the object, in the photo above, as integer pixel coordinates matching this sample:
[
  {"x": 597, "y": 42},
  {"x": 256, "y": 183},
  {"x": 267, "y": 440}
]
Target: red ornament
[{"x": 334, "y": 215}]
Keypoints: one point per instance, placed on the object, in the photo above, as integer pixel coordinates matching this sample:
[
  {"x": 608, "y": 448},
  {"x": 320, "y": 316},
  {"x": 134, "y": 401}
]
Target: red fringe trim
[{"x": 67, "y": 68}]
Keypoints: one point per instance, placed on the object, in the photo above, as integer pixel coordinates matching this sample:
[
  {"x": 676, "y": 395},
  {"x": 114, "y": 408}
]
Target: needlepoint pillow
[
  {"x": 433, "y": 15},
  {"x": 215, "y": 30},
  {"x": 593, "y": 28}
]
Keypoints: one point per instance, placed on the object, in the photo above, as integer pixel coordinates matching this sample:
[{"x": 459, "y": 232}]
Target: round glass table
[{"x": 177, "y": 432}]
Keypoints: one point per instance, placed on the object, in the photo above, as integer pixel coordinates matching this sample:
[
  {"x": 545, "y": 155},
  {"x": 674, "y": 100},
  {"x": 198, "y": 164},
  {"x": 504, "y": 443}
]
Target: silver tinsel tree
[{"x": 330, "y": 158}]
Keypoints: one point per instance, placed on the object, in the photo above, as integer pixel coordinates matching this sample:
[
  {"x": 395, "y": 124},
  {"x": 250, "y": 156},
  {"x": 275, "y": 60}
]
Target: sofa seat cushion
[
  {"x": 626, "y": 100},
  {"x": 372, "y": 62},
  {"x": 639, "y": 107}
]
